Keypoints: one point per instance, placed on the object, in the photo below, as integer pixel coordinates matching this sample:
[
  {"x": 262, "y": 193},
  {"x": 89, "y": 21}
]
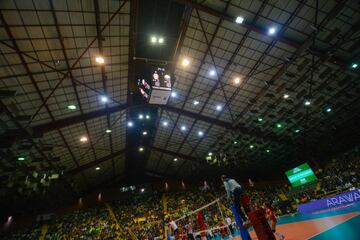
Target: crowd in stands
[{"x": 146, "y": 215}]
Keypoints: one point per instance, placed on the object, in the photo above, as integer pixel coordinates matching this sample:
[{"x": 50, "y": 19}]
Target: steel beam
[
  {"x": 94, "y": 163},
  {"x": 50, "y": 126}
]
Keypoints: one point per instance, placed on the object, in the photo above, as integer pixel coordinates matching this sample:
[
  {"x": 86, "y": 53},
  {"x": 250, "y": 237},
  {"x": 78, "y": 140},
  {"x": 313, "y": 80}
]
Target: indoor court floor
[{"x": 339, "y": 224}]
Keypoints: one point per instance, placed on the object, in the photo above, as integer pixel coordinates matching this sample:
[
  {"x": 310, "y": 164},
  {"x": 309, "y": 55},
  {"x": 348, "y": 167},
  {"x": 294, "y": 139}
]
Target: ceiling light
[
  {"x": 183, "y": 128},
  {"x": 307, "y": 103},
  {"x": 237, "y": 80},
  {"x": 239, "y": 20},
  {"x": 279, "y": 125},
  {"x": 153, "y": 39},
  {"x": 108, "y": 131},
  {"x": 200, "y": 133},
  {"x": 328, "y": 109},
  {"x": 104, "y": 99},
  {"x": 196, "y": 102},
  {"x": 251, "y": 146},
  {"x": 210, "y": 154},
  {"x": 235, "y": 142},
  {"x": 144, "y": 133},
  {"x": 272, "y": 31},
  {"x": 141, "y": 149},
  {"x": 97, "y": 168},
  {"x": 218, "y": 107},
  {"x": 267, "y": 150},
  {"x": 212, "y": 72},
  {"x": 185, "y": 62},
  {"x": 21, "y": 158},
  {"x": 173, "y": 94},
  {"x": 100, "y": 60},
  {"x": 165, "y": 123},
  {"x": 147, "y": 117},
  {"x": 71, "y": 107},
  {"x": 130, "y": 124},
  {"x": 142, "y": 190},
  {"x": 286, "y": 96},
  {"x": 260, "y": 119},
  {"x": 354, "y": 65},
  {"x": 161, "y": 40},
  {"x": 83, "y": 139},
  {"x": 175, "y": 159},
  {"x": 141, "y": 116},
  {"x": 297, "y": 130}
]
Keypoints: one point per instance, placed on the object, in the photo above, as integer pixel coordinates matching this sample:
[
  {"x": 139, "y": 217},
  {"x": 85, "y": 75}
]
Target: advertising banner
[{"x": 330, "y": 202}]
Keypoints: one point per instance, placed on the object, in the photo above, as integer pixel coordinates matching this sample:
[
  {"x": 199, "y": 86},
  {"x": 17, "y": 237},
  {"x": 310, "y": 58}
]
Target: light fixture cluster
[{"x": 157, "y": 40}]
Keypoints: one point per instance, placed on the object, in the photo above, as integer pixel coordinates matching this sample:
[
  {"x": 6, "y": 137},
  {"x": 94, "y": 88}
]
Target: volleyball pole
[{"x": 243, "y": 231}]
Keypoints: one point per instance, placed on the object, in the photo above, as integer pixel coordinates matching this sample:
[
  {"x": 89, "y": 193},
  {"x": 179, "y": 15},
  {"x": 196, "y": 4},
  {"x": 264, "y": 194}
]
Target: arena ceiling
[{"x": 241, "y": 99}]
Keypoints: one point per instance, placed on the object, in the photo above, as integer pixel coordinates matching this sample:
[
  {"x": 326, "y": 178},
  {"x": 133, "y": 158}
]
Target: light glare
[
  {"x": 201, "y": 133},
  {"x": 130, "y": 124},
  {"x": 239, "y": 20},
  {"x": 97, "y": 168},
  {"x": 196, "y": 102},
  {"x": 272, "y": 31},
  {"x": 104, "y": 99},
  {"x": 100, "y": 59},
  {"x": 237, "y": 80},
  {"x": 185, "y": 62},
  {"x": 83, "y": 139},
  {"x": 153, "y": 39}
]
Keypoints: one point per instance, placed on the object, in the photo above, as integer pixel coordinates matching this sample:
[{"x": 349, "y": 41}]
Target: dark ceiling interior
[{"x": 256, "y": 98}]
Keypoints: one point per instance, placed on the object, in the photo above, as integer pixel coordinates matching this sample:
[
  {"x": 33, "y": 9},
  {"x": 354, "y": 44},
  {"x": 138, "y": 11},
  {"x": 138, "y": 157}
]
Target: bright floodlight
[
  {"x": 161, "y": 40},
  {"x": 108, "y": 131},
  {"x": 354, "y": 65},
  {"x": 297, "y": 130},
  {"x": 165, "y": 123},
  {"x": 183, "y": 128},
  {"x": 173, "y": 94},
  {"x": 218, "y": 107},
  {"x": 83, "y": 139},
  {"x": 104, "y": 99},
  {"x": 239, "y": 20},
  {"x": 175, "y": 159},
  {"x": 237, "y": 80},
  {"x": 272, "y": 31},
  {"x": 20, "y": 158},
  {"x": 71, "y": 107},
  {"x": 267, "y": 150},
  {"x": 130, "y": 124},
  {"x": 286, "y": 96},
  {"x": 235, "y": 142},
  {"x": 196, "y": 102},
  {"x": 200, "y": 133},
  {"x": 153, "y": 39},
  {"x": 141, "y": 116},
  {"x": 210, "y": 154},
  {"x": 142, "y": 190},
  {"x": 251, "y": 146},
  {"x": 307, "y": 103},
  {"x": 328, "y": 109},
  {"x": 147, "y": 117},
  {"x": 97, "y": 168},
  {"x": 99, "y": 60},
  {"x": 185, "y": 62},
  {"x": 144, "y": 133},
  {"x": 212, "y": 72},
  {"x": 141, "y": 149}
]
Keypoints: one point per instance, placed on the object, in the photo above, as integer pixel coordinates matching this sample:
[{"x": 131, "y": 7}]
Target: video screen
[{"x": 301, "y": 175}]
